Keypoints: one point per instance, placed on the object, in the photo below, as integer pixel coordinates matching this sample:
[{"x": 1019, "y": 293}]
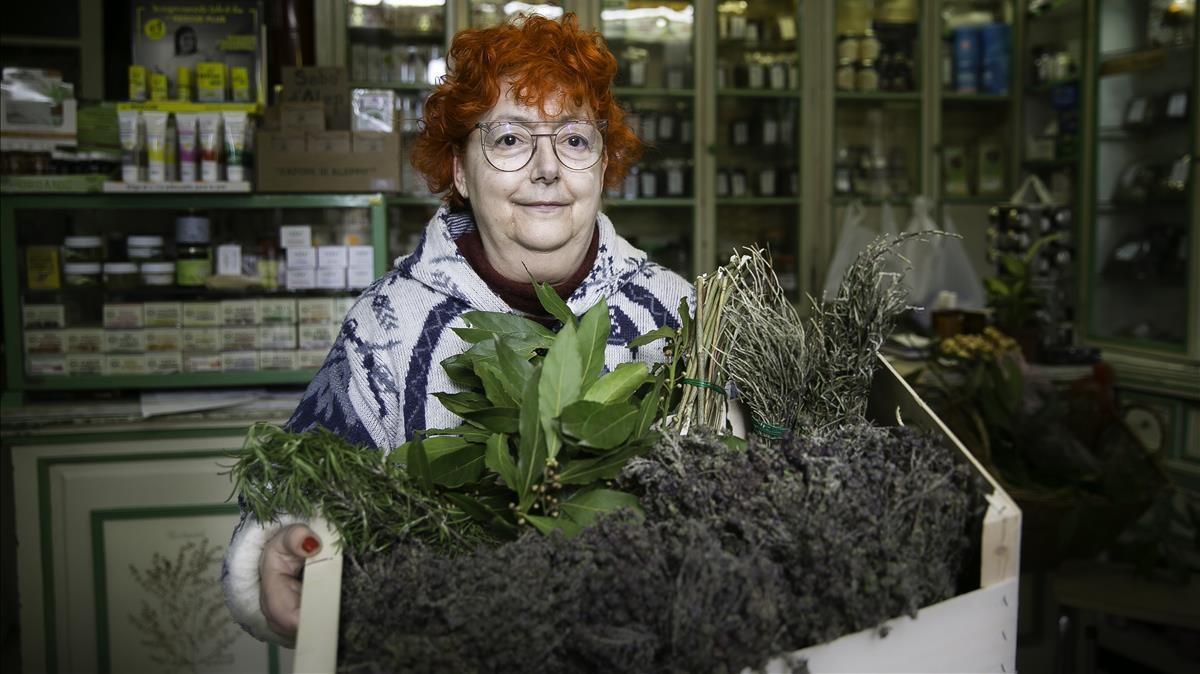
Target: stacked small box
[
  {"x": 360, "y": 270},
  {"x": 331, "y": 267}
]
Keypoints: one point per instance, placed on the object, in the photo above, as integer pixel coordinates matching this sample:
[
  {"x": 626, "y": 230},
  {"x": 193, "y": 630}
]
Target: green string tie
[
  {"x": 773, "y": 432},
  {"x": 701, "y": 383}
]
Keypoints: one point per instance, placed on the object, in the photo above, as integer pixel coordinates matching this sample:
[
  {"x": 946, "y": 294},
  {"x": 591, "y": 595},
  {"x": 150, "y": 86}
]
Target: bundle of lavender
[{"x": 580, "y": 521}]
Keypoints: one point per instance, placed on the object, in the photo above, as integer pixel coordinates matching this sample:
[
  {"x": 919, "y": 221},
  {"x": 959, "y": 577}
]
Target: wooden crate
[{"x": 973, "y": 632}]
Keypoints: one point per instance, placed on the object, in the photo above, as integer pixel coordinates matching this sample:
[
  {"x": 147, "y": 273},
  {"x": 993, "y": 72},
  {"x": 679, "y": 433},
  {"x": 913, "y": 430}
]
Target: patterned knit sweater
[{"x": 377, "y": 384}]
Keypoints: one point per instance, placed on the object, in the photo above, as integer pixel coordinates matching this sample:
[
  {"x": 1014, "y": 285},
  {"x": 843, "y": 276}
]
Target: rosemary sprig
[{"x": 368, "y": 497}]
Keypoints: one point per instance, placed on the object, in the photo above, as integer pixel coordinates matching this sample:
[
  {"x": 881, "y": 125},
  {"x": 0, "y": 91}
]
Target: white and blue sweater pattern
[{"x": 377, "y": 383}]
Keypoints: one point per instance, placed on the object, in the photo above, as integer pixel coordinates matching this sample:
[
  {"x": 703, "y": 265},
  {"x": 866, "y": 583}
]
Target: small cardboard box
[
  {"x": 280, "y": 170},
  {"x": 302, "y": 116},
  {"x": 329, "y": 142}
]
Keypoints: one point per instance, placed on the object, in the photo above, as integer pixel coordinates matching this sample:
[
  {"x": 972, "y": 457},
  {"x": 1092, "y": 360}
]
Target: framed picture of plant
[{"x": 159, "y": 605}]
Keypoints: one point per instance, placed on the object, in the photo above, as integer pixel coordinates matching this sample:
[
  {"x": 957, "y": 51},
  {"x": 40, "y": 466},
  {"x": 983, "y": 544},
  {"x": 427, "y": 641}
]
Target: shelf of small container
[
  {"x": 878, "y": 96},
  {"x": 652, "y": 92},
  {"x": 1066, "y": 162},
  {"x": 1127, "y": 61},
  {"x": 189, "y": 106},
  {"x": 975, "y": 98},
  {"x": 1047, "y": 87},
  {"x": 743, "y": 92},
  {"x": 846, "y": 200},
  {"x": 652, "y": 202},
  {"x": 758, "y": 201},
  {"x": 974, "y": 200},
  {"x": 221, "y": 187},
  {"x": 1060, "y": 9},
  {"x": 77, "y": 382},
  {"x": 413, "y": 87}
]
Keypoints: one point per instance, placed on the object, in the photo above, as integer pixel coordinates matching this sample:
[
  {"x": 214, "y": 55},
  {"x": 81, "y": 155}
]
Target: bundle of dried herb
[
  {"x": 743, "y": 555},
  {"x": 844, "y": 337},
  {"x": 763, "y": 349}
]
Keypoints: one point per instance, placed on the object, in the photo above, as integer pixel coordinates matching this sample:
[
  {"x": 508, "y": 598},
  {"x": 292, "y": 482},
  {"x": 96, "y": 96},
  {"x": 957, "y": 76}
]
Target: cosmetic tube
[
  {"x": 156, "y": 151},
  {"x": 210, "y": 147},
  {"x": 131, "y": 145},
  {"x": 235, "y": 145},
  {"x": 186, "y": 123}
]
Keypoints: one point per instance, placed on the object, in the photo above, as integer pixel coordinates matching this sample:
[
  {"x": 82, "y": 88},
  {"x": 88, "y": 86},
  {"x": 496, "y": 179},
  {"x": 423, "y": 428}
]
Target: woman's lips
[{"x": 544, "y": 206}]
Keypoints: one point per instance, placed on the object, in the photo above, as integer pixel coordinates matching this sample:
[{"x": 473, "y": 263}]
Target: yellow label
[
  {"x": 155, "y": 29},
  {"x": 137, "y": 83},
  {"x": 183, "y": 83},
  {"x": 158, "y": 87},
  {"x": 239, "y": 79},
  {"x": 210, "y": 81},
  {"x": 41, "y": 264}
]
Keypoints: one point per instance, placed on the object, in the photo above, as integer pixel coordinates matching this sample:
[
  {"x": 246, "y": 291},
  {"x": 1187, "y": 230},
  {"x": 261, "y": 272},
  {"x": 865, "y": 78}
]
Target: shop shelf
[
  {"x": 648, "y": 92},
  {"x": 660, "y": 202},
  {"x": 880, "y": 96},
  {"x": 395, "y": 86},
  {"x": 758, "y": 93},
  {"x": 1121, "y": 62},
  {"x": 956, "y": 97},
  {"x": 1047, "y": 87},
  {"x": 758, "y": 201},
  {"x": 1060, "y": 9},
  {"x": 52, "y": 184},
  {"x": 161, "y": 381}
]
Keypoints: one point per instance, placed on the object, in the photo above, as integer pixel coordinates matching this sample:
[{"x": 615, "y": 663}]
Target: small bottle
[{"x": 193, "y": 250}]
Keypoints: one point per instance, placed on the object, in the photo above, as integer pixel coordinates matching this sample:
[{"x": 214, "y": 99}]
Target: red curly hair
[{"x": 546, "y": 60}]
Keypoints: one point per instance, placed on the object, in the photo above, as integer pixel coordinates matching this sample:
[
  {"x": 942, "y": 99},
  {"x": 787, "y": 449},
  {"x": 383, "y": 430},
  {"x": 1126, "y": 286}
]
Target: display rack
[
  {"x": 1141, "y": 243},
  {"x": 23, "y": 219}
]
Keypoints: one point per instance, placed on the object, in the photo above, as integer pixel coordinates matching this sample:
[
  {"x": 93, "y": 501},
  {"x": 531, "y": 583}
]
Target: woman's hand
[{"x": 279, "y": 572}]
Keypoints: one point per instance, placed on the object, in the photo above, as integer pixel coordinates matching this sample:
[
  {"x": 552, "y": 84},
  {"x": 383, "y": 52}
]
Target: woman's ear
[{"x": 460, "y": 176}]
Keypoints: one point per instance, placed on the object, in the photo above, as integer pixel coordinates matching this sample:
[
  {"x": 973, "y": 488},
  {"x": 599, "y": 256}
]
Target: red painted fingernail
[{"x": 310, "y": 544}]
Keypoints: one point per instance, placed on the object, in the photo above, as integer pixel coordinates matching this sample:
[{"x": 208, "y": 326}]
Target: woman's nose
[{"x": 545, "y": 164}]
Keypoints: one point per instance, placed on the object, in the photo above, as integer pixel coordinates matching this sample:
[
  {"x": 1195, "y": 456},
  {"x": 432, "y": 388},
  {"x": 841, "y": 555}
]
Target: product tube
[
  {"x": 210, "y": 147},
  {"x": 156, "y": 145},
  {"x": 131, "y": 145},
  {"x": 171, "y": 150},
  {"x": 186, "y": 123},
  {"x": 235, "y": 145}
]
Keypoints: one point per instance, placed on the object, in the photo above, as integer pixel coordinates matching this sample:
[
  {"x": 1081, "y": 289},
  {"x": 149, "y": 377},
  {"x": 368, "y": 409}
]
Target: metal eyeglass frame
[{"x": 484, "y": 127}]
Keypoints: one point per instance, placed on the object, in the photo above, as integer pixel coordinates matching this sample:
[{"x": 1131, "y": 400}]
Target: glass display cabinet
[
  {"x": 1052, "y": 61},
  {"x": 1142, "y": 273},
  {"x": 142, "y": 292},
  {"x": 485, "y": 13},
  {"x": 758, "y": 149},
  {"x": 655, "y": 207},
  {"x": 877, "y": 101}
]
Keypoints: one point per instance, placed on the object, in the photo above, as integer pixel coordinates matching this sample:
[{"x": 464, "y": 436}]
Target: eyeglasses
[{"x": 509, "y": 146}]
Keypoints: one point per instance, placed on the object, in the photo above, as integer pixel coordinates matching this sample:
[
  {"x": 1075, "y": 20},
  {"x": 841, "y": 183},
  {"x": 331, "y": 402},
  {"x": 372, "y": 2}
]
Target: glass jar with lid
[
  {"x": 194, "y": 254},
  {"x": 83, "y": 249},
  {"x": 81, "y": 274},
  {"x": 867, "y": 78},
  {"x": 144, "y": 248},
  {"x": 158, "y": 274},
  {"x": 121, "y": 276},
  {"x": 845, "y": 75}
]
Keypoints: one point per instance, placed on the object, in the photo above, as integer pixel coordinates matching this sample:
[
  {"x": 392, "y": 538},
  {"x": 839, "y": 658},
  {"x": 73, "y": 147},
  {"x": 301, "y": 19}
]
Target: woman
[{"x": 522, "y": 137}]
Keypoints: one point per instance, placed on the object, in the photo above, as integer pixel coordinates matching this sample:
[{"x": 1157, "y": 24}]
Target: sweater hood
[{"x": 437, "y": 263}]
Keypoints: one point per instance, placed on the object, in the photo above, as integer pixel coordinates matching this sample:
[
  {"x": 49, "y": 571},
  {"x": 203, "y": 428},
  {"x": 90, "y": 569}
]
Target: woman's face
[{"x": 543, "y": 207}]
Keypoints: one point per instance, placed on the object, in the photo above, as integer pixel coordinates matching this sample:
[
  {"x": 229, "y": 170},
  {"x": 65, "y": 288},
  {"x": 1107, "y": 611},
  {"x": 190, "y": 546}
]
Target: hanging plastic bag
[
  {"x": 853, "y": 238},
  {"x": 940, "y": 264}
]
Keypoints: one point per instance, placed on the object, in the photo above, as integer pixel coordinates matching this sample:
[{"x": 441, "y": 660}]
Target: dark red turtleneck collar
[{"x": 520, "y": 295}]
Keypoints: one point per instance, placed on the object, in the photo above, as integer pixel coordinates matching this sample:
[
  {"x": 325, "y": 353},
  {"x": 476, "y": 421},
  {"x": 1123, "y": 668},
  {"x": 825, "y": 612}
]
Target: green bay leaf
[{"x": 618, "y": 384}]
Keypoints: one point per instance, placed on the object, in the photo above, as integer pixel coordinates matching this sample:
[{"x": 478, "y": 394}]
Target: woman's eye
[
  {"x": 509, "y": 140},
  {"x": 577, "y": 141}
]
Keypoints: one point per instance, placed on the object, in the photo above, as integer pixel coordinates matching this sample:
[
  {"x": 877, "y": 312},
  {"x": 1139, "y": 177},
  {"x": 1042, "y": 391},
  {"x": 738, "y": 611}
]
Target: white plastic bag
[
  {"x": 940, "y": 264},
  {"x": 853, "y": 238}
]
